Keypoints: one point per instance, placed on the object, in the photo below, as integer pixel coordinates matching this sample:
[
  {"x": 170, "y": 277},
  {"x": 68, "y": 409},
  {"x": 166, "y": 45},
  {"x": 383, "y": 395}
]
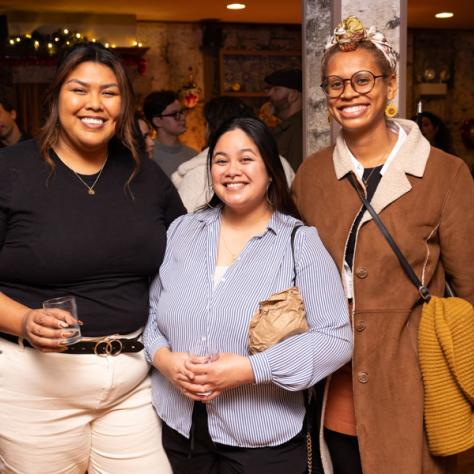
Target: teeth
[
  {"x": 354, "y": 108},
  {"x": 94, "y": 121},
  {"x": 234, "y": 185}
]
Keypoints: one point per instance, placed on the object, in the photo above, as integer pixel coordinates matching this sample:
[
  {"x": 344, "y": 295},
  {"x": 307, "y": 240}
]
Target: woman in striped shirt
[{"x": 240, "y": 412}]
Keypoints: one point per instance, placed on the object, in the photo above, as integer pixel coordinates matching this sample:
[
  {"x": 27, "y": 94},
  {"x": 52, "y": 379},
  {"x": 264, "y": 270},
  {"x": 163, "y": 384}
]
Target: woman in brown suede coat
[{"x": 373, "y": 408}]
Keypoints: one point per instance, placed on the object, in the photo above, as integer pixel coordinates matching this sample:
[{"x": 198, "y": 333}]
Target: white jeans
[{"x": 66, "y": 413}]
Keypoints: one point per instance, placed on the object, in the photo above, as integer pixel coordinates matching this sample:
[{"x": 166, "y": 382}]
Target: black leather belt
[{"x": 101, "y": 346}]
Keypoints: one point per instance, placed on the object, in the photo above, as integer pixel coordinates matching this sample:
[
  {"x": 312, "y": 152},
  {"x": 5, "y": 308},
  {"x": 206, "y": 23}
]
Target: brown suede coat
[{"x": 426, "y": 200}]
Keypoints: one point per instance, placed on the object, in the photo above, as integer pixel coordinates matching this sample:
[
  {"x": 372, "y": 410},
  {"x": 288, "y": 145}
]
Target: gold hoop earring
[
  {"x": 329, "y": 118},
  {"x": 391, "y": 110}
]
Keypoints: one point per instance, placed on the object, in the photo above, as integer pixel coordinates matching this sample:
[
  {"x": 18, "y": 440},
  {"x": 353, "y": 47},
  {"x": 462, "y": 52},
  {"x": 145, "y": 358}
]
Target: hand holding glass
[
  {"x": 202, "y": 352},
  {"x": 67, "y": 304}
]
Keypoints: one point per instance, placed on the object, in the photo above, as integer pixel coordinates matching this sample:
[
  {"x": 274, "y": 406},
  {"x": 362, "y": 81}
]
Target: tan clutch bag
[{"x": 279, "y": 317}]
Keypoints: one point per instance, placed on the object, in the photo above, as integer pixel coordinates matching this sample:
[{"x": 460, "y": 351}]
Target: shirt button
[
  {"x": 362, "y": 272},
  {"x": 360, "y": 325},
  {"x": 363, "y": 377}
]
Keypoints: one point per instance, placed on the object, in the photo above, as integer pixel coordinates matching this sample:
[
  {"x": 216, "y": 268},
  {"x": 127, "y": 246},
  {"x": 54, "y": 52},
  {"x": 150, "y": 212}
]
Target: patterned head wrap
[{"x": 350, "y": 32}]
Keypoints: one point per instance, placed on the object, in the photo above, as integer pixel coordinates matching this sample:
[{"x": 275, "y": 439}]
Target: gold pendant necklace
[
  {"x": 90, "y": 189},
  {"x": 232, "y": 255}
]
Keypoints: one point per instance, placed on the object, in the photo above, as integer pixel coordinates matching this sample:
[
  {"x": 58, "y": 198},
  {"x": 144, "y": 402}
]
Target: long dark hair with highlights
[
  {"x": 96, "y": 53},
  {"x": 278, "y": 193}
]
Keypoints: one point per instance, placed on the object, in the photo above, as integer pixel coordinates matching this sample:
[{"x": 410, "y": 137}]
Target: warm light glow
[
  {"x": 140, "y": 45},
  {"x": 28, "y": 36},
  {"x": 50, "y": 45},
  {"x": 66, "y": 31},
  {"x": 135, "y": 43},
  {"x": 444, "y": 15},
  {"x": 106, "y": 45},
  {"x": 56, "y": 39},
  {"x": 68, "y": 43},
  {"x": 114, "y": 45},
  {"x": 18, "y": 39},
  {"x": 37, "y": 43},
  {"x": 12, "y": 41},
  {"x": 94, "y": 40},
  {"x": 78, "y": 35},
  {"x": 236, "y": 6}
]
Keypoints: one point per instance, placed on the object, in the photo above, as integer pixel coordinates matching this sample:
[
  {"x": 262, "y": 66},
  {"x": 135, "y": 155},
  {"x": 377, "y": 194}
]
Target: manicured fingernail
[{"x": 63, "y": 324}]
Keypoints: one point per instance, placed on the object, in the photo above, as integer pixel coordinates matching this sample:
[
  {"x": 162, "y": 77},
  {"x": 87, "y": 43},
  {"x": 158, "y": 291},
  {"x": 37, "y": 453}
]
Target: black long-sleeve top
[{"x": 56, "y": 239}]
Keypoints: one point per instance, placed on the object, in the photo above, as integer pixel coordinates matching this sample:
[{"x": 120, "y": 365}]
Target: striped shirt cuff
[
  {"x": 151, "y": 349},
  {"x": 262, "y": 371}
]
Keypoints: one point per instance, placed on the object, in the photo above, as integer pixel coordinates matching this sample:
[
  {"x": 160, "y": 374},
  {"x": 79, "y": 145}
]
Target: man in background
[
  {"x": 284, "y": 91},
  {"x": 164, "y": 112},
  {"x": 10, "y": 133}
]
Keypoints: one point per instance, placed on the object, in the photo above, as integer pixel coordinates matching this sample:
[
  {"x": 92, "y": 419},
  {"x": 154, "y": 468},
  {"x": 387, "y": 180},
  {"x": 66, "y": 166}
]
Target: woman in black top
[{"x": 80, "y": 214}]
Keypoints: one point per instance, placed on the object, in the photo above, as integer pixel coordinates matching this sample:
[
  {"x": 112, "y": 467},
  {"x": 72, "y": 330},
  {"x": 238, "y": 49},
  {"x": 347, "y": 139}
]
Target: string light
[{"x": 50, "y": 44}]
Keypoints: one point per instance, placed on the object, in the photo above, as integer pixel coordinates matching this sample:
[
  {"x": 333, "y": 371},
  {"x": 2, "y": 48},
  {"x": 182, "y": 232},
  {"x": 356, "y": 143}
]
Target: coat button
[
  {"x": 362, "y": 272},
  {"x": 360, "y": 326},
  {"x": 363, "y": 377}
]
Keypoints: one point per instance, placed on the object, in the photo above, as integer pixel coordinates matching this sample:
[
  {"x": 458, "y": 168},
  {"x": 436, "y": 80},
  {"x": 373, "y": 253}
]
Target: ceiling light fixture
[
  {"x": 444, "y": 15},
  {"x": 236, "y": 6}
]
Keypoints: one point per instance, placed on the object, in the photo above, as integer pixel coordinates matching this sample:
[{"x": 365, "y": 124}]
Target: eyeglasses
[
  {"x": 176, "y": 115},
  {"x": 362, "y": 82}
]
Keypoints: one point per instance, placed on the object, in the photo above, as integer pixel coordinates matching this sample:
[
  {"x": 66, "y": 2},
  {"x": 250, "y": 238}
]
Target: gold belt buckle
[{"x": 109, "y": 346}]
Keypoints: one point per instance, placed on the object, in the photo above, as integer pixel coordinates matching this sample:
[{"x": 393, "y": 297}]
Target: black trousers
[
  {"x": 344, "y": 451},
  {"x": 200, "y": 455}
]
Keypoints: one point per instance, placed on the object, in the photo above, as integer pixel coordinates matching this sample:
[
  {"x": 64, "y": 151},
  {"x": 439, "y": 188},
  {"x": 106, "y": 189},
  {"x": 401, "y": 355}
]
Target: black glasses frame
[
  {"x": 354, "y": 86},
  {"x": 180, "y": 113}
]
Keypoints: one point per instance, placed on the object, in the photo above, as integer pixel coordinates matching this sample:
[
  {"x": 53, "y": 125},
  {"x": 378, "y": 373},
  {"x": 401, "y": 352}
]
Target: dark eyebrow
[{"x": 85, "y": 84}]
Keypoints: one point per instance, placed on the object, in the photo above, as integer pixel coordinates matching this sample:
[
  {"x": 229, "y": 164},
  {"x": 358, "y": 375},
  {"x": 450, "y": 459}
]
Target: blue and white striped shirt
[{"x": 185, "y": 307}]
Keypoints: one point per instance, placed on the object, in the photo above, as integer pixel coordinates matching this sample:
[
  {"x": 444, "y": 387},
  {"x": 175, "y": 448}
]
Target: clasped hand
[{"x": 204, "y": 381}]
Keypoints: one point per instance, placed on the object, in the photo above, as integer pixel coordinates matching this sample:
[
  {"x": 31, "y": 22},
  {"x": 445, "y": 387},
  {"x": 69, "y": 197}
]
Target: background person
[
  {"x": 219, "y": 264},
  {"x": 374, "y": 408},
  {"x": 10, "y": 133},
  {"x": 191, "y": 179},
  {"x": 436, "y": 132},
  {"x": 284, "y": 91},
  {"x": 164, "y": 112},
  {"x": 92, "y": 225}
]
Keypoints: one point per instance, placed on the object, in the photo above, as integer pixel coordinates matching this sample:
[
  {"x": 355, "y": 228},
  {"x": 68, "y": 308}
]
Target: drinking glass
[
  {"x": 203, "y": 352},
  {"x": 68, "y": 304}
]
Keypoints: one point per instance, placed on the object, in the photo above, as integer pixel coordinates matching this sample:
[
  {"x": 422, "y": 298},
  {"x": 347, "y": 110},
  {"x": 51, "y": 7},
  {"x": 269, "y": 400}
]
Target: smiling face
[
  {"x": 354, "y": 111},
  {"x": 238, "y": 173},
  {"x": 89, "y": 106}
]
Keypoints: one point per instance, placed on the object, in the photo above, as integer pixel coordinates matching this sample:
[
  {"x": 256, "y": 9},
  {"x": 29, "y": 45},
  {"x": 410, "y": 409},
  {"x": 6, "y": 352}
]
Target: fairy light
[
  {"x": 236, "y": 6},
  {"x": 140, "y": 45},
  {"x": 17, "y": 39},
  {"x": 135, "y": 43},
  {"x": 94, "y": 40},
  {"x": 12, "y": 41},
  {"x": 78, "y": 35},
  {"x": 66, "y": 31},
  {"x": 106, "y": 45},
  {"x": 36, "y": 43},
  {"x": 50, "y": 45},
  {"x": 56, "y": 39}
]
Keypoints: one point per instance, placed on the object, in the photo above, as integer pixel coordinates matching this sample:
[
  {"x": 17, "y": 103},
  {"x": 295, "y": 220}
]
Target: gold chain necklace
[
  {"x": 91, "y": 187},
  {"x": 232, "y": 254},
  {"x": 366, "y": 180}
]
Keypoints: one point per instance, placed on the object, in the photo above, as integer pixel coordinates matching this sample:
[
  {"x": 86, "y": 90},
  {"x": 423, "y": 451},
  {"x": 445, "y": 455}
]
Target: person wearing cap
[
  {"x": 284, "y": 92},
  {"x": 164, "y": 112}
]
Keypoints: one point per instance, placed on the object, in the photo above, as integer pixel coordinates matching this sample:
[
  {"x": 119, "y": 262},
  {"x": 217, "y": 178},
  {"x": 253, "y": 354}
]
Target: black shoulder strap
[
  {"x": 292, "y": 239},
  {"x": 422, "y": 290}
]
